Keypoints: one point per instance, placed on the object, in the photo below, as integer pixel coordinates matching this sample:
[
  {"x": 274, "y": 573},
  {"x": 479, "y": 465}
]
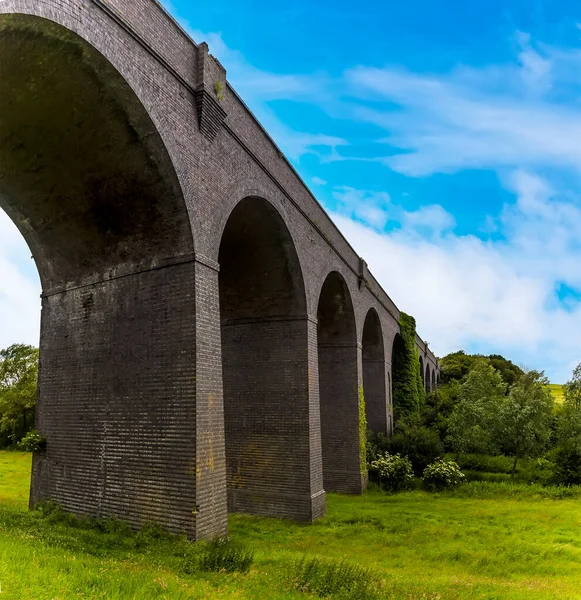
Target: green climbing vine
[
  {"x": 362, "y": 432},
  {"x": 408, "y": 388}
]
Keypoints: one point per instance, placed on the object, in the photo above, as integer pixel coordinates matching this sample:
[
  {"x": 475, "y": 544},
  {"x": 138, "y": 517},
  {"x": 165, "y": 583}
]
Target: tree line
[
  {"x": 487, "y": 405},
  {"x": 484, "y": 405},
  {"x": 18, "y": 386}
]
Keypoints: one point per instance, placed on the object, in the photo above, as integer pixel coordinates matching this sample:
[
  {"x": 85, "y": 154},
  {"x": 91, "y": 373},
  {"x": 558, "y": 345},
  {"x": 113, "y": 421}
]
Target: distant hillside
[{"x": 557, "y": 391}]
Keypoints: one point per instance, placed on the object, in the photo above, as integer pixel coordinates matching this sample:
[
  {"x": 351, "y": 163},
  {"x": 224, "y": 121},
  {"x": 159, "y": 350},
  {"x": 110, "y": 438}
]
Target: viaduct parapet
[{"x": 205, "y": 327}]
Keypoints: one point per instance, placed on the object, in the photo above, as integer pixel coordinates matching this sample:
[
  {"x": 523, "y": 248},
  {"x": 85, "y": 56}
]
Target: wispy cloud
[
  {"x": 376, "y": 209},
  {"x": 367, "y": 206},
  {"x": 516, "y": 115}
]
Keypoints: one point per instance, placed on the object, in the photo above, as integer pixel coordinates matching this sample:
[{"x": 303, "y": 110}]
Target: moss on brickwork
[
  {"x": 408, "y": 390},
  {"x": 362, "y": 432}
]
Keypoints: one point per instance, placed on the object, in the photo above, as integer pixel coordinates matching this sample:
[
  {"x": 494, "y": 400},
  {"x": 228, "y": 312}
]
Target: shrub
[
  {"x": 377, "y": 445},
  {"x": 225, "y": 555},
  {"x": 332, "y": 579},
  {"x": 32, "y": 442},
  {"x": 567, "y": 470},
  {"x": 394, "y": 472},
  {"x": 420, "y": 444},
  {"x": 442, "y": 474}
]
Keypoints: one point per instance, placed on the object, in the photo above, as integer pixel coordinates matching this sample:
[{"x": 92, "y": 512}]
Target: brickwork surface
[{"x": 191, "y": 359}]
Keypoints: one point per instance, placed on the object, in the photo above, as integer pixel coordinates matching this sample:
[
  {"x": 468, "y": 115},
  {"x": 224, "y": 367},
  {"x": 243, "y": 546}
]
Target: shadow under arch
[
  {"x": 375, "y": 374},
  {"x": 422, "y": 371},
  {"x": 265, "y": 364},
  {"x": 85, "y": 176},
  {"x": 338, "y": 388}
]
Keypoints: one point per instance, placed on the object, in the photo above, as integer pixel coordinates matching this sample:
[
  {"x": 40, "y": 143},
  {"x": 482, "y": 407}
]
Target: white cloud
[
  {"x": 318, "y": 181},
  {"x": 363, "y": 205},
  {"x": 496, "y": 296},
  {"x": 19, "y": 289},
  {"x": 376, "y": 210},
  {"x": 429, "y": 219}
]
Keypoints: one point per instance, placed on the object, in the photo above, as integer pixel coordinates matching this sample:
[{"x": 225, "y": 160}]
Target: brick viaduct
[{"x": 205, "y": 326}]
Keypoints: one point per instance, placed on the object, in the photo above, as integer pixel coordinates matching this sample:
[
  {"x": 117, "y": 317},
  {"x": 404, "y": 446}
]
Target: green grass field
[
  {"x": 557, "y": 391},
  {"x": 483, "y": 541}
]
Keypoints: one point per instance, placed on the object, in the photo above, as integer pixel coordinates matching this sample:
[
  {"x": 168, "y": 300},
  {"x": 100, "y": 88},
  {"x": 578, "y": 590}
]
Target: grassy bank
[
  {"x": 483, "y": 541},
  {"x": 557, "y": 391},
  {"x": 14, "y": 479}
]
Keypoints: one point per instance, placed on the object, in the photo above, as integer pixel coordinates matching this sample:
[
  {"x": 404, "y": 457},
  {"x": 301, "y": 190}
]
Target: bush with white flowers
[
  {"x": 442, "y": 474},
  {"x": 394, "y": 472}
]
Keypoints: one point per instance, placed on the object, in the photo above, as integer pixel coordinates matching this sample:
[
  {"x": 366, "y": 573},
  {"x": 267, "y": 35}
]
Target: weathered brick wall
[
  {"x": 266, "y": 404},
  {"x": 117, "y": 402},
  {"x": 339, "y": 418},
  {"x": 338, "y": 392},
  {"x": 375, "y": 371}
]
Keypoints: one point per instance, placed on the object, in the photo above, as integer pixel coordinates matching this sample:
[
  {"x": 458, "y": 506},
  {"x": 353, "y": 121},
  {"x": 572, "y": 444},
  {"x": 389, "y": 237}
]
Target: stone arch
[
  {"x": 423, "y": 371},
  {"x": 428, "y": 380},
  {"x": 338, "y": 387},
  {"x": 374, "y": 374},
  {"x": 86, "y": 176},
  {"x": 434, "y": 379},
  {"x": 88, "y": 180},
  {"x": 265, "y": 365}
]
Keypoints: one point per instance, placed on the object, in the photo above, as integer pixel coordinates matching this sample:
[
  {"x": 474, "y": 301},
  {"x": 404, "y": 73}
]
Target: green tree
[
  {"x": 455, "y": 365},
  {"x": 18, "y": 383},
  {"x": 525, "y": 416},
  {"x": 419, "y": 443},
  {"x": 439, "y": 406},
  {"x": 508, "y": 370},
  {"x": 572, "y": 389},
  {"x": 568, "y": 451},
  {"x": 471, "y": 424}
]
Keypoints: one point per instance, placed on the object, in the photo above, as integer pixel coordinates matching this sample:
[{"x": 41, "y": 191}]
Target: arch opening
[
  {"x": 423, "y": 371},
  {"x": 374, "y": 375},
  {"x": 338, "y": 387},
  {"x": 399, "y": 377},
  {"x": 265, "y": 366},
  {"x": 428, "y": 379},
  {"x": 85, "y": 176}
]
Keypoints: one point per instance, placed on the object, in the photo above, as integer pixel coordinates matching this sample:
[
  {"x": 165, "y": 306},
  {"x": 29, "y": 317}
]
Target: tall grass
[
  {"x": 483, "y": 540},
  {"x": 335, "y": 579},
  {"x": 226, "y": 555}
]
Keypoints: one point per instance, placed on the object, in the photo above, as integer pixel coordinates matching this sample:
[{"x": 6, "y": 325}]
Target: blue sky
[{"x": 445, "y": 141}]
